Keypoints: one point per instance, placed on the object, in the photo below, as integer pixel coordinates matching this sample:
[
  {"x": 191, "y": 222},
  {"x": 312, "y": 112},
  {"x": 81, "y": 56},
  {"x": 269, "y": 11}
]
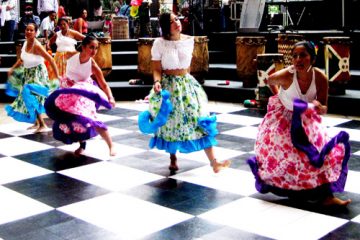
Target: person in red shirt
[{"x": 81, "y": 25}]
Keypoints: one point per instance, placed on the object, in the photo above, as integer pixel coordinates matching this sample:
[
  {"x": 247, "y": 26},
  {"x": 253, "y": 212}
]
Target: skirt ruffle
[
  {"x": 187, "y": 127},
  {"x": 30, "y": 87},
  {"x": 295, "y": 155},
  {"x": 71, "y": 124}
]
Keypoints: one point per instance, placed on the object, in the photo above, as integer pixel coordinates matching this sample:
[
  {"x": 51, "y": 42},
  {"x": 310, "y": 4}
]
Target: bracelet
[{"x": 156, "y": 81}]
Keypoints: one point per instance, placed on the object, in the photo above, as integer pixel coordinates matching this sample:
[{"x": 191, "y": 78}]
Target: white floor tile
[
  {"x": 352, "y": 182},
  {"x": 16, "y": 128},
  {"x": 17, "y": 145},
  {"x": 221, "y": 154},
  {"x": 115, "y": 132},
  {"x": 139, "y": 106},
  {"x": 224, "y": 108},
  {"x": 12, "y": 170},
  {"x": 238, "y": 119},
  {"x": 331, "y": 121},
  {"x": 354, "y": 133},
  {"x": 127, "y": 216},
  {"x": 274, "y": 221},
  {"x": 97, "y": 148},
  {"x": 107, "y": 117},
  {"x": 15, "y": 206},
  {"x": 356, "y": 219},
  {"x": 111, "y": 176},
  {"x": 229, "y": 180}
]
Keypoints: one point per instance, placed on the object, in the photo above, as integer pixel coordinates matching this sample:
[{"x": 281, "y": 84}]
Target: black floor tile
[
  {"x": 235, "y": 143},
  {"x": 348, "y": 231},
  {"x": 56, "y": 159},
  {"x": 56, "y": 190},
  {"x": 349, "y": 212},
  {"x": 353, "y": 124},
  {"x": 183, "y": 196}
]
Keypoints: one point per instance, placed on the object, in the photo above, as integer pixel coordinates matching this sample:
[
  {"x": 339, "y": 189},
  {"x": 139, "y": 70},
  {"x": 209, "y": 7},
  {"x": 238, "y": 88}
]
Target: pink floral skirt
[
  {"x": 281, "y": 165},
  {"x": 73, "y": 109}
]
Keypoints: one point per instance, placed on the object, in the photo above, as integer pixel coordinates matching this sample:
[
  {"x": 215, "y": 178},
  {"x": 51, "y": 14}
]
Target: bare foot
[
  {"x": 218, "y": 166},
  {"x": 112, "y": 151},
  {"x": 35, "y": 126},
  {"x": 79, "y": 151},
  {"x": 334, "y": 201},
  {"x": 41, "y": 129},
  {"x": 173, "y": 167}
]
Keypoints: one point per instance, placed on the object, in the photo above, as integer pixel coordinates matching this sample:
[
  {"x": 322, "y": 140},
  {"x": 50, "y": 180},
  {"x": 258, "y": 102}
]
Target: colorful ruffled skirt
[
  {"x": 61, "y": 60},
  {"x": 294, "y": 154},
  {"x": 178, "y": 116},
  {"x": 30, "y": 86},
  {"x": 73, "y": 110}
]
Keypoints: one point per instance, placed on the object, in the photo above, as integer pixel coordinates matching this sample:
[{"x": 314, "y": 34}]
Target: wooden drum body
[
  {"x": 200, "y": 58},
  {"x": 144, "y": 67},
  {"x": 247, "y": 49},
  {"x": 337, "y": 63},
  {"x": 103, "y": 56},
  {"x": 285, "y": 45},
  {"x": 267, "y": 64},
  {"x": 120, "y": 28}
]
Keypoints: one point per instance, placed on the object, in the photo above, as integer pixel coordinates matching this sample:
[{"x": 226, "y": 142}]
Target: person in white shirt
[
  {"x": 9, "y": 18},
  {"x": 44, "y": 7},
  {"x": 47, "y": 26}
]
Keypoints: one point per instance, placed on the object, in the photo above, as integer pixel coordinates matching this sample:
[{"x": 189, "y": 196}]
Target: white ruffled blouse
[{"x": 173, "y": 54}]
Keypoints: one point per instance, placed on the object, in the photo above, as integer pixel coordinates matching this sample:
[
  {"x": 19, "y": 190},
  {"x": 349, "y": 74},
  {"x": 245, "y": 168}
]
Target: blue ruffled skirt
[
  {"x": 178, "y": 117},
  {"x": 30, "y": 87}
]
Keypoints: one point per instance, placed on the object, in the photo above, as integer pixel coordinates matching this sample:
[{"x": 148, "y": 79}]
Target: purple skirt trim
[
  {"x": 70, "y": 121},
  {"x": 316, "y": 158}
]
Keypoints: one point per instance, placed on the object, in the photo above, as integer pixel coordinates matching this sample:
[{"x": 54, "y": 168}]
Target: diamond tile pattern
[{"x": 47, "y": 192}]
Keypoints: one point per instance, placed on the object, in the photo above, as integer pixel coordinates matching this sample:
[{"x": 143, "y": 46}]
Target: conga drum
[
  {"x": 144, "y": 59},
  {"x": 337, "y": 62},
  {"x": 200, "y": 58},
  {"x": 103, "y": 56},
  {"x": 285, "y": 46},
  {"x": 267, "y": 64},
  {"x": 120, "y": 28},
  {"x": 247, "y": 48}
]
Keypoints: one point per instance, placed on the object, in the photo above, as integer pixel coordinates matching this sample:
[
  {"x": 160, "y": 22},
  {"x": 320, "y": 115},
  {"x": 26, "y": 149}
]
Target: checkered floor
[{"x": 47, "y": 192}]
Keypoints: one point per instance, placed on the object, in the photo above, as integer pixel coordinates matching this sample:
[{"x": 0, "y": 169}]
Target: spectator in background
[
  {"x": 98, "y": 10},
  {"x": 29, "y": 17},
  {"x": 44, "y": 7},
  {"x": 9, "y": 18},
  {"x": 117, "y": 4},
  {"x": 61, "y": 12},
  {"x": 81, "y": 25},
  {"x": 142, "y": 27},
  {"x": 47, "y": 27},
  {"x": 125, "y": 9}
]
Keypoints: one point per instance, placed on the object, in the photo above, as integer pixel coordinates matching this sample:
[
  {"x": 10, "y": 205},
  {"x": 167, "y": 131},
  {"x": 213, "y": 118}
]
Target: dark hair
[
  {"x": 164, "y": 22},
  {"x": 51, "y": 12},
  {"x": 87, "y": 40},
  {"x": 309, "y": 46},
  {"x": 34, "y": 24},
  {"x": 63, "y": 19}
]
